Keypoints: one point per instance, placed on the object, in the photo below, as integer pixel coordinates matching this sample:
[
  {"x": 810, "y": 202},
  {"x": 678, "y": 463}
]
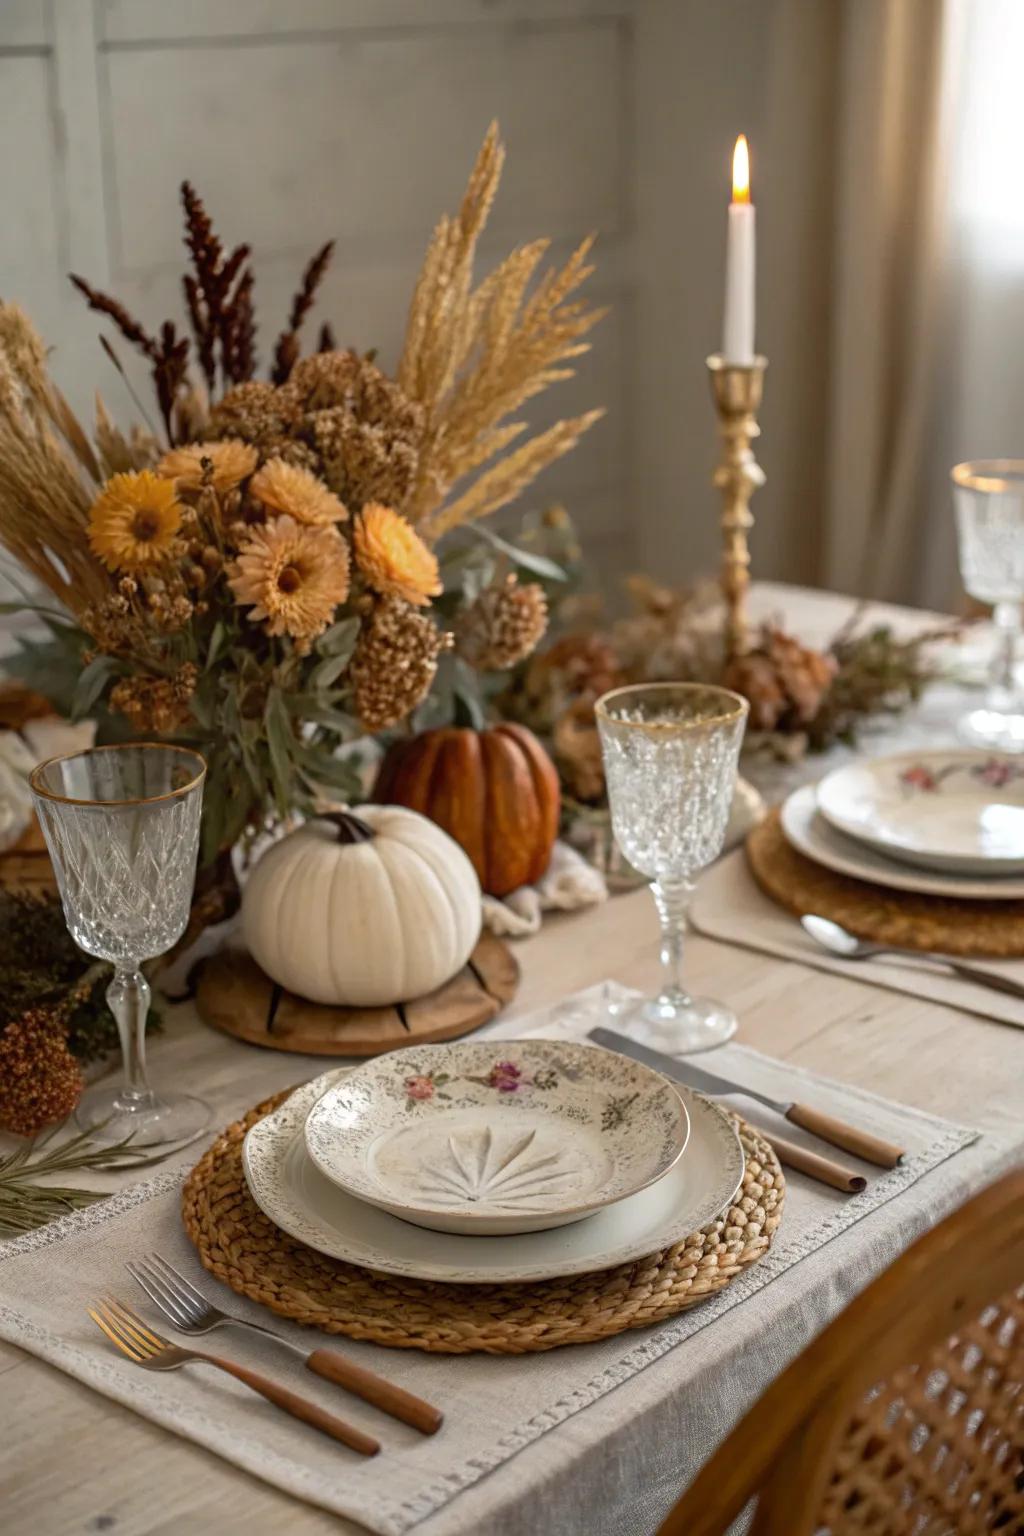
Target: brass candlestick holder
[{"x": 737, "y": 390}]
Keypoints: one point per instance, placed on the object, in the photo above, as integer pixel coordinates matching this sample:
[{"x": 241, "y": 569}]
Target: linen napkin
[
  {"x": 567, "y": 884},
  {"x": 730, "y": 906},
  {"x": 558, "y": 1441}
]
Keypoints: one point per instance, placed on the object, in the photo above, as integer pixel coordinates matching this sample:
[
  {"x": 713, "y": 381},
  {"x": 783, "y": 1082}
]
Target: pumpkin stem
[{"x": 350, "y": 828}]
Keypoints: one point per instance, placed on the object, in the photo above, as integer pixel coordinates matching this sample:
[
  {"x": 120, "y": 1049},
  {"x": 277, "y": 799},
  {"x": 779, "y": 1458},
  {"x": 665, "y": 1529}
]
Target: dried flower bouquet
[{"x": 260, "y": 576}]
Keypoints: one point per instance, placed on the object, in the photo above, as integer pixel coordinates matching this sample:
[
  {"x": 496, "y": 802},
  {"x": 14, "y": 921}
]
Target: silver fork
[
  {"x": 155, "y": 1353},
  {"x": 189, "y": 1311}
]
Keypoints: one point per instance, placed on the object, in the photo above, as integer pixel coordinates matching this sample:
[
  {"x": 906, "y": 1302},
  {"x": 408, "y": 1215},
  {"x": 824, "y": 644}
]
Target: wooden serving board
[{"x": 235, "y": 996}]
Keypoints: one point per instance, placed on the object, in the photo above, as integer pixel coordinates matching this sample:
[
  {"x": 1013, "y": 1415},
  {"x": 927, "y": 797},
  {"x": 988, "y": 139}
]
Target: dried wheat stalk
[
  {"x": 473, "y": 356},
  {"x": 48, "y": 471},
  {"x": 504, "y": 481}
]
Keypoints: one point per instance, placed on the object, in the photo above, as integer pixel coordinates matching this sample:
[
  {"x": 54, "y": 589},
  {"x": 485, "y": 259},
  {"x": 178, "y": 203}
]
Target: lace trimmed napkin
[{"x": 597, "y": 1437}]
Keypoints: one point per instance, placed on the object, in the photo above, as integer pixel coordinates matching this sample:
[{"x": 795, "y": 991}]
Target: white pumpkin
[{"x": 363, "y": 910}]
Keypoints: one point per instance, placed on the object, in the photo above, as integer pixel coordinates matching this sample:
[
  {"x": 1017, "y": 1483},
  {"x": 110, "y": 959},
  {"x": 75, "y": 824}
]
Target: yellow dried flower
[
  {"x": 134, "y": 521},
  {"x": 393, "y": 558},
  {"x": 292, "y": 577},
  {"x": 231, "y": 463},
  {"x": 288, "y": 488}
]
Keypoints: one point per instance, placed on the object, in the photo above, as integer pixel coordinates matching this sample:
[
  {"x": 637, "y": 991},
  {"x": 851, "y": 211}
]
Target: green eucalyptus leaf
[
  {"x": 340, "y": 639},
  {"x": 217, "y": 639},
  {"x": 468, "y": 711},
  {"x": 334, "y": 719},
  {"x": 281, "y": 745},
  {"x": 51, "y": 616},
  {"x": 329, "y": 670},
  {"x": 203, "y": 709},
  {"x": 91, "y": 683},
  {"x": 539, "y": 565},
  {"x": 476, "y": 579}
]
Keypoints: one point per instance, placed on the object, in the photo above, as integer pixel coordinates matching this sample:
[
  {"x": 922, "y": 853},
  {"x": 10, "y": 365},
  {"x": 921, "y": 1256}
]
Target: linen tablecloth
[{"x": 599, "y": 1437}]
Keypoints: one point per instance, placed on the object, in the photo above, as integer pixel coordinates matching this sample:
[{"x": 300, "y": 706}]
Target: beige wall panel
[
  {"x": 142, "y": 20},
  {"x": 370, "y": 138}
]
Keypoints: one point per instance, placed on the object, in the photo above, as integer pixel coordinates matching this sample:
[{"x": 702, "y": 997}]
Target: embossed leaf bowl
[{"x": 497, "y": 1137}]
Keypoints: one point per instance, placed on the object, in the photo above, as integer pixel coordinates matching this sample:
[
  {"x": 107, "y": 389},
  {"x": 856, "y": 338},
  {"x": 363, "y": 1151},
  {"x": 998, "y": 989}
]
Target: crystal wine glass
[
  {"x": 670, "y": 752},
  {"x": 122, "y": 827},
  {"x": 988, "y": 495}
]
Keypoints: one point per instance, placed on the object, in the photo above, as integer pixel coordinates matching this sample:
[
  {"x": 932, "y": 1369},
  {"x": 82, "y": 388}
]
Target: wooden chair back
[{"x": 905, "y": 1417}]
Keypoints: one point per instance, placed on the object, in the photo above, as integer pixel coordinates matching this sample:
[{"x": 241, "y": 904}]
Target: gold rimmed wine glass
[
  {"x": 988, "y": 497},
  {"x": 670, "y": 752},
  {"x": 122, "y": 827}
]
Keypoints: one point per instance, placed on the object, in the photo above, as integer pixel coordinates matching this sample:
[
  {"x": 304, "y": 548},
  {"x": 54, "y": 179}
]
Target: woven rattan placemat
[
  {"x": 242, "y": 1247},
  {"x": 994, "y": 929}
]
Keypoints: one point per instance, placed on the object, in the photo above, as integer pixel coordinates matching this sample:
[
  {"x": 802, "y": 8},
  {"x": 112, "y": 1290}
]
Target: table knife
[{"x": 871, "y": 1148}]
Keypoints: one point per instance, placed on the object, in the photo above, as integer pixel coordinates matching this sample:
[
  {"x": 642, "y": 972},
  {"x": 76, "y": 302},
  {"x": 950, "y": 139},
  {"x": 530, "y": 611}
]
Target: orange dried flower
[
  {"x": 231, "y": 462},
  {"x": 393, "y": 558},
  {"x": 292, "y": 577},
  {"x": 134, "y": 521},
  {"x": 293, "y": 490}
]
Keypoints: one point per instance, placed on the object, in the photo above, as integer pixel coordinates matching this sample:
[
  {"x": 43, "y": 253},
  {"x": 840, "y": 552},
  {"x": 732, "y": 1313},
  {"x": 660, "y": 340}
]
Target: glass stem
[
  {"x": 1003, "y": 689},
  {"x": 128, "y": 996},
  {"x": 672, "y": 900}
]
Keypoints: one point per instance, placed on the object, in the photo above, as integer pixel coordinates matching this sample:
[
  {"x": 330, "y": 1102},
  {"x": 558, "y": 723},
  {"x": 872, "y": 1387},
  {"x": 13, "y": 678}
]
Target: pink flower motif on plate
[
  {"x": 419, "y": 1087},
  {"x": 919, "y": 777},
  {"x": 507, "y": 1077},
  {"x": 996, "y": 772}
]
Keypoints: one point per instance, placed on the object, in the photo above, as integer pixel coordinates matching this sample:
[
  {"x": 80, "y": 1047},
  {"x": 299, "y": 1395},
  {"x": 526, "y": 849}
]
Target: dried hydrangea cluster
[
  {"x": 504, "y": 625},
  {"x": 394, "y": 663},
  {"x": 337, "y": 415},
  {"x": 40, "y": 1080},
  {"x": 264, "y": 582}
]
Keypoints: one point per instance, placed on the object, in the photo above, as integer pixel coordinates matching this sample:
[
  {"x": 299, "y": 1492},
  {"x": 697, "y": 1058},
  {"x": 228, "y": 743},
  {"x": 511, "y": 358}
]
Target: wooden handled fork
[
  {"x": 189, "y": 1311},
  {"x": 154, "y": 1353}
]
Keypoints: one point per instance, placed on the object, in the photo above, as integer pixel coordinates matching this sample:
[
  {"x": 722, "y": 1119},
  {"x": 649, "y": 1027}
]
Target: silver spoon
[{"x": 848, "y": 947}]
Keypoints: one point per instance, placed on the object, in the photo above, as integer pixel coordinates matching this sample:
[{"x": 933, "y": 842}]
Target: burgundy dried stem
[
  {"x": 222, "y": 319},
  {"x": 286, "y": 352}
]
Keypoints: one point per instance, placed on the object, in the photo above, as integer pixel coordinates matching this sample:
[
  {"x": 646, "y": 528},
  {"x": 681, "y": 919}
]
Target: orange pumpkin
[{"x": 494, "y": 791}]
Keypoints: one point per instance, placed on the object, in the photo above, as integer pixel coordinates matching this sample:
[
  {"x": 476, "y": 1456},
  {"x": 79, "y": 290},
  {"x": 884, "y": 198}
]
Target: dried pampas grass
[{"x": 474, "y": 356}]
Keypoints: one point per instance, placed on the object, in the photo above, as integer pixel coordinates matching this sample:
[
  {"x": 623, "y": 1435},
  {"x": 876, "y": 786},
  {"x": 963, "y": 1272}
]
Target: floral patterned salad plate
[
  {"x": 488, "y": 1139},
  {"x": 296, "y": 1196},
  {"x": 957, "y": 811},
  {"x": 806, "y": 830}
]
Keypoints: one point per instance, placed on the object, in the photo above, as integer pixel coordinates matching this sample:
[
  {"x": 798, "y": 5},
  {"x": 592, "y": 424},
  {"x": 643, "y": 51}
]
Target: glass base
[
  {"x": 992, "y": 728},
  {"x": 678, "y": 1029},
  {"x": 158, "y": 1120}
]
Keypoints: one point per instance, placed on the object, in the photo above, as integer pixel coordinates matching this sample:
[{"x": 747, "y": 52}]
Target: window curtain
[
  {"x": 916, "y": 358},
  {"x": 898, "y": 94}
]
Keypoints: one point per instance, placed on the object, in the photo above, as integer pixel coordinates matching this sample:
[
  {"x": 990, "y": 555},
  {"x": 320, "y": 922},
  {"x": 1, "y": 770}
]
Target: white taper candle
[{"x": 740, "y": 264}]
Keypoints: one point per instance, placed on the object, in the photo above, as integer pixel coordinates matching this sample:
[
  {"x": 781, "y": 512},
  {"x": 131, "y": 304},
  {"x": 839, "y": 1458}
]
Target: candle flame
[{"x": 741, "y": 171}]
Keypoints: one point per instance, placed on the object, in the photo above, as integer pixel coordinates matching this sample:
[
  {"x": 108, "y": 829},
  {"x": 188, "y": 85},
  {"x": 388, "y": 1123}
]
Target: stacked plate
[
  {"x": 493, "y": 1161},
  {"x": 941, "y": 823}
]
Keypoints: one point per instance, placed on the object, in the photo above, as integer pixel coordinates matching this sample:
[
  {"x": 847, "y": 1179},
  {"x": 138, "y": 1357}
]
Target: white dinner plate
[
  {"x": 958, "y": 811},
  {"x": 806, "y": 830},
  {"x": 490, "y": 1137},
  {"x": 289, "y": 1189}
]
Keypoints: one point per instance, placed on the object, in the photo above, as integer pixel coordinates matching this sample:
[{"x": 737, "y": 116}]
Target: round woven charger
[
  {"x": 242, "y": 1247},
  {"x": 981, "y": 928}
]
